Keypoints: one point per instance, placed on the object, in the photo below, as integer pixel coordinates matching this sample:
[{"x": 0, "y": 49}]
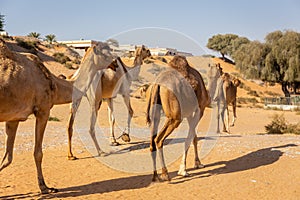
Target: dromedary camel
[
  {"x": 116, "y": 79},
  {"x": 180, "y": 92},
  {"x": 230, "y": 91},
  {"x": 224, "y": 94},
  {"x": 28, "y": 87}
]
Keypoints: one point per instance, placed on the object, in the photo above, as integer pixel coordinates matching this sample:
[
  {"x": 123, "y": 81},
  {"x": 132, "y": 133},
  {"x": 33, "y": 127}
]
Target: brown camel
[
  {"x": 224, "y": 94},
  {"x": 180, "y": 92},
  {"x": 28, "y": 87},
  {"x": 230, "y": 91},
  {"x": 116, "y": 79}
]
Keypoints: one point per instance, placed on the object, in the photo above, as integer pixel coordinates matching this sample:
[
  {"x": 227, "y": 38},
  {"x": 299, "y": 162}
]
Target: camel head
[
  {"x": 236, "y": 82},
  {"x": 225, "y": 76},
  {"x": 142, "y": 52},
  {"x": 102, "y": 55}
]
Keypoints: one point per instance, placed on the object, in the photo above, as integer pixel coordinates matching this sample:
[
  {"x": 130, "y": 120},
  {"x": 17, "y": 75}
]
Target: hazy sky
[{"x": 186, "y": 25}]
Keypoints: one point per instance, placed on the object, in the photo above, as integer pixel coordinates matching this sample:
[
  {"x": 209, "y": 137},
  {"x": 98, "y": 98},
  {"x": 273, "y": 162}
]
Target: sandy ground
[{"x": 246, "y": 164}]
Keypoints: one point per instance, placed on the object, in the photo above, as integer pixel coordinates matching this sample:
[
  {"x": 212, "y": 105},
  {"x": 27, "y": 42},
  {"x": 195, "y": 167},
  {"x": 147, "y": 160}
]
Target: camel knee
[{"x": 38, "y": 155}]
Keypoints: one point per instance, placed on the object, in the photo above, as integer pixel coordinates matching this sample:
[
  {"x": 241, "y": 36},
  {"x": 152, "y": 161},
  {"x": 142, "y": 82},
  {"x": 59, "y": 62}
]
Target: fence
[{"x": 283, "y": 103}]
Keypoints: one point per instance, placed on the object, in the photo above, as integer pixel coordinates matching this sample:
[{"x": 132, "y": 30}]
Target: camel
[
  {"x": 230, "y": 91},
  {"x": 180, "y": 92},
  {"x": 28, "y": 87},
  {"x": 224, "y": 94},
  {"x": 116, "y": 79}
]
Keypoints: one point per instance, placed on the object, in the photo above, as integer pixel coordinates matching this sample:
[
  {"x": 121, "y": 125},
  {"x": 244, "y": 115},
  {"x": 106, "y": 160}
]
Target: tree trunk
[
  {"x": 286, "y": 91},
  {"x": 223, "y": 56}
]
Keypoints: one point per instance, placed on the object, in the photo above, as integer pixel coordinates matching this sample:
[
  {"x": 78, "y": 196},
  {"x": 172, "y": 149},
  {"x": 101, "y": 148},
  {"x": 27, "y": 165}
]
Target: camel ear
[{"x": 135, "y": 47}]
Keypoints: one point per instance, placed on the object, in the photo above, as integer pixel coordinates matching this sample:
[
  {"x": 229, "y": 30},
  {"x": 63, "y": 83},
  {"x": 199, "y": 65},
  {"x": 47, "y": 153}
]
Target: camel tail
[{"x": 152, "y": 99}]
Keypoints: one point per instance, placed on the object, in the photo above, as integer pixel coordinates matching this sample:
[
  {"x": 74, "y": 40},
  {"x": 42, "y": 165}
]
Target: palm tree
[
  {"x": 50, "y": 38},
  {"x": 2, "y": 22},
  {"x": 34, "y": 34}
]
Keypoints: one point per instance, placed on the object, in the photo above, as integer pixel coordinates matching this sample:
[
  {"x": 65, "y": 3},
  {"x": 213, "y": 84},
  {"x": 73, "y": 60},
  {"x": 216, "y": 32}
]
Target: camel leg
[
  {"x": 70, "y": 134},
  {"x": 41, "y": 122},
  {"x": 192, "y": 121},
  {"x": 112, "y": 121},
  {"x": 226, "y": 120},
  {"x": 168, "y": 128},
  {"x": 93, "y": 119},
  {"x": 125, "y": 136},
  {"x": 234, "y": 113},
  {"x": 154, "y": 127},
  {"x": 198, "y": 164},
  {"x": 10, "y": 130}
]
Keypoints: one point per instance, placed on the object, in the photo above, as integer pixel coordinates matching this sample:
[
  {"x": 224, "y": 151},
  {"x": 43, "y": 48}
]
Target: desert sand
[{"x": 245, "y": 164}]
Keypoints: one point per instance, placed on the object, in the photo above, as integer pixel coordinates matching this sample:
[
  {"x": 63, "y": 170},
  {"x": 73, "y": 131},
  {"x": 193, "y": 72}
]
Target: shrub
[
  {"x": 29, "y": 45},
  {"x": 61, "y": 58},
  {"x": 279, "y": 125},
  {"x": 54, "y": 119}
]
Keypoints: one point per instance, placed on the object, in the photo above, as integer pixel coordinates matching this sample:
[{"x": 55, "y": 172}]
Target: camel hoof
[
  {"x": 183, "y": 173},
  {"x": 231, "y": 125},
  {"x": 125, "y": 137},
  {"x": 155, "y": 177},
  {"x": 49, "y": 190},
  {"x": 115, "y": 143},
  {"x": 72, "y": 158},
  {"x": 102, "y": 154},
  {"x": 199, "y": 166},
  {"x": 164, "y": 177}
]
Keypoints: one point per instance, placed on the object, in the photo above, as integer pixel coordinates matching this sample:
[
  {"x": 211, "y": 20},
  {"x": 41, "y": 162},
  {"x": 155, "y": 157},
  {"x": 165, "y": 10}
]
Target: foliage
[
  {"x": 248, "y": 58},
  {"x": 277, "y": 60},
  {"x": 50, "y": 38},
  {"x": 34, "y": 35},
  {"x": 279, "y": 125},
  {"x": 225, "y": 44},
  {"x": 112, "y": 42},
  {"x": 54, "y": 119},
  {"x": 29, "y": 45},
  {"x": 61, "y": 58},
  {"x": 2, "y": 22}
]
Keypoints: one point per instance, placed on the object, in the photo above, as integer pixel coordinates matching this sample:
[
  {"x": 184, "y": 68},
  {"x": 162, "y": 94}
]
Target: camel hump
[{"x": 181, "y": 64}]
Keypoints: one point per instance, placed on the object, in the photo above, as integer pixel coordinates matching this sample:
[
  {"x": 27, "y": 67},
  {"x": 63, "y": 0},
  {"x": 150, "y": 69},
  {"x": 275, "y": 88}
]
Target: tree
[
  {"x": 34, "y": 34},
  {"x": 222, "y": 43},
  {"x": 50, "y": 38},
  {"x": 249, "y": 58},
  {"x": 282, "y": 64},
  {"x": 2, "y": 22},
  {"x": 112, "y": 42}
]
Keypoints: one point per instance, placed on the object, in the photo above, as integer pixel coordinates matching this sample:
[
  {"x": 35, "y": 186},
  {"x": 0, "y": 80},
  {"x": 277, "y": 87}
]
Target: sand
[{"x": 245, "y": 164}]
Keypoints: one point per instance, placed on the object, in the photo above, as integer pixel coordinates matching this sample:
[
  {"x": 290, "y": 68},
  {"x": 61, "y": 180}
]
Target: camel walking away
[
  {"x": 180, "y": 92},
  {"x": 28, "y": 87},
  {"x": 116, "y": 79}
]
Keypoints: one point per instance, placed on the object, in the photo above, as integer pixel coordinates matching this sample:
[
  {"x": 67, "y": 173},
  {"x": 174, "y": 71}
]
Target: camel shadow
[
  {"x": 249, "y": 161},
  {"x": 262, "y": 157},
  {"x": 140, "y": 145}
]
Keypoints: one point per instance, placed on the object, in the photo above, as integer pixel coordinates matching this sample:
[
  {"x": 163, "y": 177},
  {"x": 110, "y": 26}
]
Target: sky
[{"x": 186, "y": 25}]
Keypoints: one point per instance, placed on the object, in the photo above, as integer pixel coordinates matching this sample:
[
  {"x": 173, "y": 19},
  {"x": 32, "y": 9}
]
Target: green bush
[
  {"x": 53, "y": 119},
  {"x": 29, "y": 45},
  {"x": 61, "y": 58},
  {"x": 279, "y": 125}
]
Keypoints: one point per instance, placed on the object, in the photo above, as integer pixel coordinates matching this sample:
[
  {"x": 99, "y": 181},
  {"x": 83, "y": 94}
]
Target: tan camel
[
  {"x": 116, "y": 79},
  {"x": 28, "y": 87},
  {"x": 180, "y": 92},
  {"x": 224, "y": 94},
  {"x": 230, "y": 92}
]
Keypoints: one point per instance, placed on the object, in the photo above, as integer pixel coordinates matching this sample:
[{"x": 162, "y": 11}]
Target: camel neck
[
  {"x": 64, "y": 91},
  {"x": 138, "y": 61}
]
